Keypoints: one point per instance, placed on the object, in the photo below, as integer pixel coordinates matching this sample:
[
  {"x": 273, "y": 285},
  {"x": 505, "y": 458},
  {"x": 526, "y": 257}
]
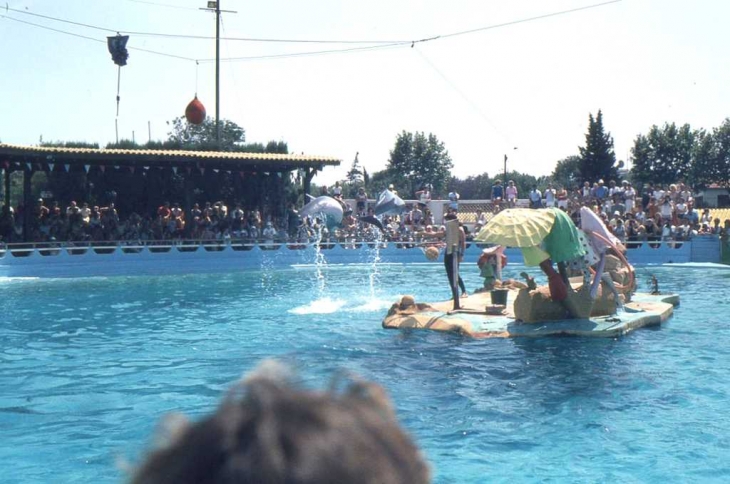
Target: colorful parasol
[{"x": 518, "y": 227}]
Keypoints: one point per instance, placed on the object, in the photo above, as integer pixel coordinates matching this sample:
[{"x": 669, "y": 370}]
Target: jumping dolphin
[
  {"x": 326, "y": 207},
  {"x": 389, "y": 204}
]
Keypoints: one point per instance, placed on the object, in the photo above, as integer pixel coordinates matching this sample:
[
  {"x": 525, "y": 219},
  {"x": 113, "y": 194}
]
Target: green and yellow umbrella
[
  {"x": 518, "y": 227},
  {"x": 529, "y": 229}
]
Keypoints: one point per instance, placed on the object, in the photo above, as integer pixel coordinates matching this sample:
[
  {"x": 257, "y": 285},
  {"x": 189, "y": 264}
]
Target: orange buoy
[{"x": 195, "y": 112}]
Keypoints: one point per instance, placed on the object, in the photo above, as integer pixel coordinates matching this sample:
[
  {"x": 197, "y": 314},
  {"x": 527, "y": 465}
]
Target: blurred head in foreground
[{"x": 267, "y": 430}]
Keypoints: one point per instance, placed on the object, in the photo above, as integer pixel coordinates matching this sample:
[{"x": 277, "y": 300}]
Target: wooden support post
[
  {"x": 308, "y": 175},
  {"x": 27, "y": 203},
  {"x": 188, "y": 202},
  {"x": 7, "y": 187}
]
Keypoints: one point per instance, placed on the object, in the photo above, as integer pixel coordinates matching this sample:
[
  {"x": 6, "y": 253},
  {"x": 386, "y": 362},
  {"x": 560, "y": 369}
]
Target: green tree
[
  {"x": 68, "y": 144},
  {"x": 203, "y": 136},
  {"x": 664, "y": 155},
  {"x": 642, "y": 169},
  {"x": 379, "y": 181},
  {"x": 280, "y": 147},
  {"x": 567, "y": 172},
  {"x": 417, "y": 159},
  {"x": 355, "y": 175},
  {"x": 472, "y": 188},
  {"x": 721, "y": 137},
  {"x": 597, "y": 158},
  {"x": 705, "y": 169}
]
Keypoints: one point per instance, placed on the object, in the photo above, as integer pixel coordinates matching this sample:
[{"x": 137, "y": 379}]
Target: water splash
[
  {"x": 374, "y": 260},
  {"x": 371, "y": 305},
  {"x": 268, "y": 273},
  {"x": 320, "y": 306},
  {"x": 320, "y": 262}
]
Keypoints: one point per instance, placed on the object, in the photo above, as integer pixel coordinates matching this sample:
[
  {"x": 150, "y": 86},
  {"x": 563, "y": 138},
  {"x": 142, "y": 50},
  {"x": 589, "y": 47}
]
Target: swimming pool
[{"x": 89, "y": 365}]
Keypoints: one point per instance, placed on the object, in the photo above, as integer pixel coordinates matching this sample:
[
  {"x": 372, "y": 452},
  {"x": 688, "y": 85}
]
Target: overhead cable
[
  {"x": 372, "y": 44},
  {"x": 320, "y": 41},
  {"x": 93, "y": 39},
  {"x": 529, "y": 19},
  {"x": 310, "y": 53},
  {"x": 25, "y": 12},
  {"x": 202, "y": 37}
]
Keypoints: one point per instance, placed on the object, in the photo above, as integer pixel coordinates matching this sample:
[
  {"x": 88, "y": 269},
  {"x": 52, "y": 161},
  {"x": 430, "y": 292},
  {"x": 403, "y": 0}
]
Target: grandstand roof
[{"x": 229, "y": 160}]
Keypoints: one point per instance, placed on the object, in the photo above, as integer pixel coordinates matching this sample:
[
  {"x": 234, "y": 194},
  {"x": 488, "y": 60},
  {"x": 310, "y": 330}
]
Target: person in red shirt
[{"x": 164, "y": 211}]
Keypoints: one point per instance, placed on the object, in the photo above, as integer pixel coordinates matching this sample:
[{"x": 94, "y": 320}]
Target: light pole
[{"x": 215, "y": 6}]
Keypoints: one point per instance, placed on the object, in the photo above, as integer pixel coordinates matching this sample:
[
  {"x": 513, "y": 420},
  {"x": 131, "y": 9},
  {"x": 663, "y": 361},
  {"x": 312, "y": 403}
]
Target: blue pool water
[{"x": 87, "y": 366}]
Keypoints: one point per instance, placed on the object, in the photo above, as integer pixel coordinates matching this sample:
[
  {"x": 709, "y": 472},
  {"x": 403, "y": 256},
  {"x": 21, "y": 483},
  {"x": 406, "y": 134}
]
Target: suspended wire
[
  {"x": 139, "y": 49},
  {"x": 414, "y": 42},
  {"x": 373, "y": 45},
  {"x": 310, "y": 53},
  {"x": 529, "y": 19},
  {"x": 473, "y": 105},
  {"x": 60, "y": 20},
  {"x": 254, "y": 39},
  {"x": 52, "y": 29},
  {"x": 319, "y": 41},
  {"x": 203, "y": 37}
]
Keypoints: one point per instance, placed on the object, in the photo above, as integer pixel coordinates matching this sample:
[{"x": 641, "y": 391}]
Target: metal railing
[{"x": 25, "y": 249}]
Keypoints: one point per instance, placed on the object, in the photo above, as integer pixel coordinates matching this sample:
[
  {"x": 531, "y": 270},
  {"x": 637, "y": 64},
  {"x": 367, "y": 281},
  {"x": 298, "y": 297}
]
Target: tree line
[{"x": 665, "y": 155}]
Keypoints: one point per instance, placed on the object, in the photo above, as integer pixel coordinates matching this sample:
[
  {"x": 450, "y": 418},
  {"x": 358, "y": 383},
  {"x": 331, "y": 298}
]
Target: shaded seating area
[{"x": 140, "y": 180}]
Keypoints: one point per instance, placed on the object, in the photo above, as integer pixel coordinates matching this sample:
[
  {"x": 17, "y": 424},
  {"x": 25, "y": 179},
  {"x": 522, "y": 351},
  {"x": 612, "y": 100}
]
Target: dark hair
[{"x": 268, "y": 431}]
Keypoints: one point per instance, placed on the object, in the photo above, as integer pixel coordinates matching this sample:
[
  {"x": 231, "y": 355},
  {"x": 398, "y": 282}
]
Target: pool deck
[{"x": 472, "y": 320}]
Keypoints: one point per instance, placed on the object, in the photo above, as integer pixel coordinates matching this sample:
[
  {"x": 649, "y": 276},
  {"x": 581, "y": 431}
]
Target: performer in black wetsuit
[{"x": 455, "y": 246}]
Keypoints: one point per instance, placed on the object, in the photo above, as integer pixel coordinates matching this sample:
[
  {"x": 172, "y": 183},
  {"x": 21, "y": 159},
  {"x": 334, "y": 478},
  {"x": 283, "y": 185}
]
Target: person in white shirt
[
  {"x": 586, "y": 191},
  {"x": 658, "y": 193},
  {"x": 612, "y": 188},
  {"x": 706, "y": 218},
  {"x": 666, "y": 209},
  {"x": 549, "y": 196},
  {"x": 85, "y": 214},
  {"x": 629, "y": 198},
  {"x": 510, "y": 192},
  {"x": 686, "y": 193},
  {"x": 424, "y": 195},
  {"x": 269, "y": 233},
  {"x": 681, "y": 208}
]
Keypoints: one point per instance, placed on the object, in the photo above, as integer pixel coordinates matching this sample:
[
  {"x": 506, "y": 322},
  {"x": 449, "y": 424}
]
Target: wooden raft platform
[{"x": 473, "y": 321}]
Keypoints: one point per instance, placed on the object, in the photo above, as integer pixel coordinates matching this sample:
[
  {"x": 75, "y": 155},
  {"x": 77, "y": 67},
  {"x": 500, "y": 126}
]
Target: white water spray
[{"x": 374, "y": 260}]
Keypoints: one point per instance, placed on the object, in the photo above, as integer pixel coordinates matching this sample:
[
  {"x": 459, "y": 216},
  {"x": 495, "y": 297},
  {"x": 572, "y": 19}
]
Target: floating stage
[{"x": 477, "y": 318}]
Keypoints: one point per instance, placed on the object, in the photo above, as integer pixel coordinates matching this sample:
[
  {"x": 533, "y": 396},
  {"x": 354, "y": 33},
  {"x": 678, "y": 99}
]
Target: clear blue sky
[{"x": 529, "y": 85}]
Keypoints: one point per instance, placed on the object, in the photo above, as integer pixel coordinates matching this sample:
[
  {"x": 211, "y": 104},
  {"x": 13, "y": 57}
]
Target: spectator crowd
[
  {"x": 655, "y": 213},
  {"x": 652, "y": 213}
]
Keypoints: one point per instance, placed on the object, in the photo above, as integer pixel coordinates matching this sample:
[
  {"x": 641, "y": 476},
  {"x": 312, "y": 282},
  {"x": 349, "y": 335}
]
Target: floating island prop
[{"x": 598, "y": 300}]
